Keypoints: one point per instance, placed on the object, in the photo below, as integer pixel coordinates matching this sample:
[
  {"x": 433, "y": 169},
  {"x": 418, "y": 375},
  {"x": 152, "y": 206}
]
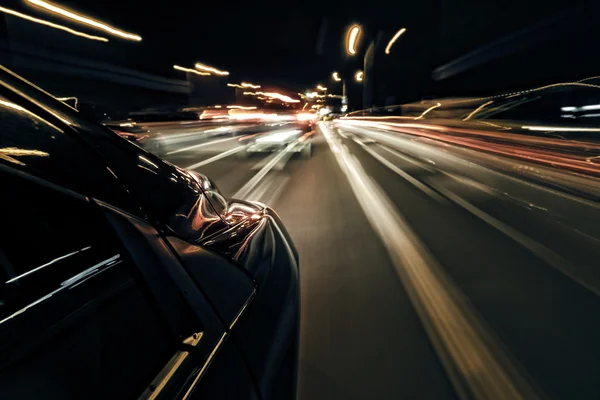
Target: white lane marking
[
  {"x": 216, "y": 158},
  {"x": 392, "y": 139},
  {"x": 538, "y": 249},
  {"x": 415, "y": 182},
  {"x": 247, "y": 188},
  {"x": 407, "y": 159},
  {"x": 200, "y": 145},
  {"x": 472, "y": 357},
  {"x": 269, "y": 189},
  {"x": 342, "y": 134}
]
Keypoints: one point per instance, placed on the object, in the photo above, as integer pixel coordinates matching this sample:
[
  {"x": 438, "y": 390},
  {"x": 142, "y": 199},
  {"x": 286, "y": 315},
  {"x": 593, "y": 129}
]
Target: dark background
[{"x": 451, "y": 47}]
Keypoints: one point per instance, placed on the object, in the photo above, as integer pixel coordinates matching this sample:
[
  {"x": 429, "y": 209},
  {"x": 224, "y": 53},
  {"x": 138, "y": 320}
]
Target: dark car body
[{"x": 127, "y": 277}]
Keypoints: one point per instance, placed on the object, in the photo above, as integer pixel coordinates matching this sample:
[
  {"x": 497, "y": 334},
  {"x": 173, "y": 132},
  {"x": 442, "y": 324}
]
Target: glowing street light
[
  {"x": 85, "y": 20},
  {"x": 206, "y": 68},
  {"x": 358, "y": 76},
  {"x": 353, "y": 39},
  {"x": 193, "y": 71},
  {"x": 336, "y": 77},
  {"x": 52, "y": 25},
  {"x": 391, "y": 42},
  {"x": 250, "y": 85},
  {"x": 243, "y": 85},
  {"x": 321, "y": 87}
]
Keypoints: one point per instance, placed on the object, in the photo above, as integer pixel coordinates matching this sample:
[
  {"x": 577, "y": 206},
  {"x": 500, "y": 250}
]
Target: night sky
[{"x": 299, "y": 44}]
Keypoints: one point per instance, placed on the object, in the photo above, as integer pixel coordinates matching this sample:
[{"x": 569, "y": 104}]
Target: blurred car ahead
[{"x": 124, "y": 276}]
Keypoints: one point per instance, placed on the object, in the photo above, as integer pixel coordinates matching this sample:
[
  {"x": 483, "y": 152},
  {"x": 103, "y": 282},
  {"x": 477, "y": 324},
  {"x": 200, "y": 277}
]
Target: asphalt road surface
[{"x": 429, "y": 271}]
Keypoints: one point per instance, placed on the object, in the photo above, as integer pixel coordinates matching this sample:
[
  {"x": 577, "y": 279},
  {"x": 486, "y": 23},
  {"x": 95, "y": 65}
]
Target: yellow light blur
[
  {"x": 249, "y": 85},
  {"x": 206, "y": 68},
  {"x": 177, "y": 67},
  {"x": 64, "y": 99},
  {"x": 336, "y": 76},
  {"x": 321, "y": 87},
  {"x": 242, "y": 107},
  {"x": 481, "y": 107},
  {"x": 273, "y": 95},
  {"x": 19, "y": 108},
  {"x": 429, "y": 109},
  {"x": 353, "y": 39},
  {"x": 85, "y": 20},
  {"x": 52, "y": 25},
  {"x": 244, "y": 85},
  {"x": 217, "y": 106},
  {"x": 358, "y": 76},
  {"x": 393, "y": 39},
  {"x": 306, "y": 116}
]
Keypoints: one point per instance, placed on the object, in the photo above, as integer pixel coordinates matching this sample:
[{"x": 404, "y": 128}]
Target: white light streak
[
  {"x": 52, "y": 25},
  {"x": 393, "y": 40},
  {"x": 85, "y": 20}
]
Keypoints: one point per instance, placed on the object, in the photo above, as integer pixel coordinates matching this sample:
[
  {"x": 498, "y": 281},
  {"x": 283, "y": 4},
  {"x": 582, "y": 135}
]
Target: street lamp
[
  {"x": 358, "y": 76},
  {"x": 393, "y": 39},
  {"x": 352, "y": 39},
  {"x": 321, "y": 88}
]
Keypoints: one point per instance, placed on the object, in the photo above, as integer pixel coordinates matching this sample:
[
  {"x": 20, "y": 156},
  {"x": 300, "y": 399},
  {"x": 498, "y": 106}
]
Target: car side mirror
[{"x": 212, "y": 192}]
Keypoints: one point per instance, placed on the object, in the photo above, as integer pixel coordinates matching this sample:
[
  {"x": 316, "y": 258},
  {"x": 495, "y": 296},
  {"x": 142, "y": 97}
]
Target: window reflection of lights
[
  {"x": 358, "y": 76},
  {"x": 206, "y": 68},
  {"x": 47, "y": 264},
  {"x": 68, "y": 283},
  {"x": 147, "y": 161},
  {"x": 8, "y": 154},
  {"x": 393, "y": 40},
  {"x": 147, "y": 169},
  {"x": 193, "y": 71},
  {"x": 52, "y": 25},
  {"x": 34, "y": 101},
  {"x": 590, "y": 115},
  {"x": 336, "y": 77},
  {"x": 567, "y": 109},
  {"x": 85, "y": 20},
  {"x": 19, "y": 108},
  {"x": 64, "y": 99}
]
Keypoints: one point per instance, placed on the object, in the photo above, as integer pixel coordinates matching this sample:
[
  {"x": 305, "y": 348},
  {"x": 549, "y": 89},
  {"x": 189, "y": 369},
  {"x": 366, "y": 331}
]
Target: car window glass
[
  {"x": 76, "y": 321},
  {"x": 31, "y": 143},
  {"x": 167, "y": 194}
]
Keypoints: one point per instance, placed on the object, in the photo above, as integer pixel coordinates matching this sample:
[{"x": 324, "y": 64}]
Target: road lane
[
  {"x": 520, "y": 252},
  {"x": 543, "y": 317}
]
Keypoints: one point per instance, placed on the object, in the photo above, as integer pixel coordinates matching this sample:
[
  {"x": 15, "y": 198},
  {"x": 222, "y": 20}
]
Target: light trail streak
[
  {"x": 472, "y": 357},
  {"x": 85, "y": 20},
  {"x": 193, "y": 71},
  {"x": 206, "y": 68},
  {"x": 393, "y": 40},
  {"x": 52, "y": 25}
]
